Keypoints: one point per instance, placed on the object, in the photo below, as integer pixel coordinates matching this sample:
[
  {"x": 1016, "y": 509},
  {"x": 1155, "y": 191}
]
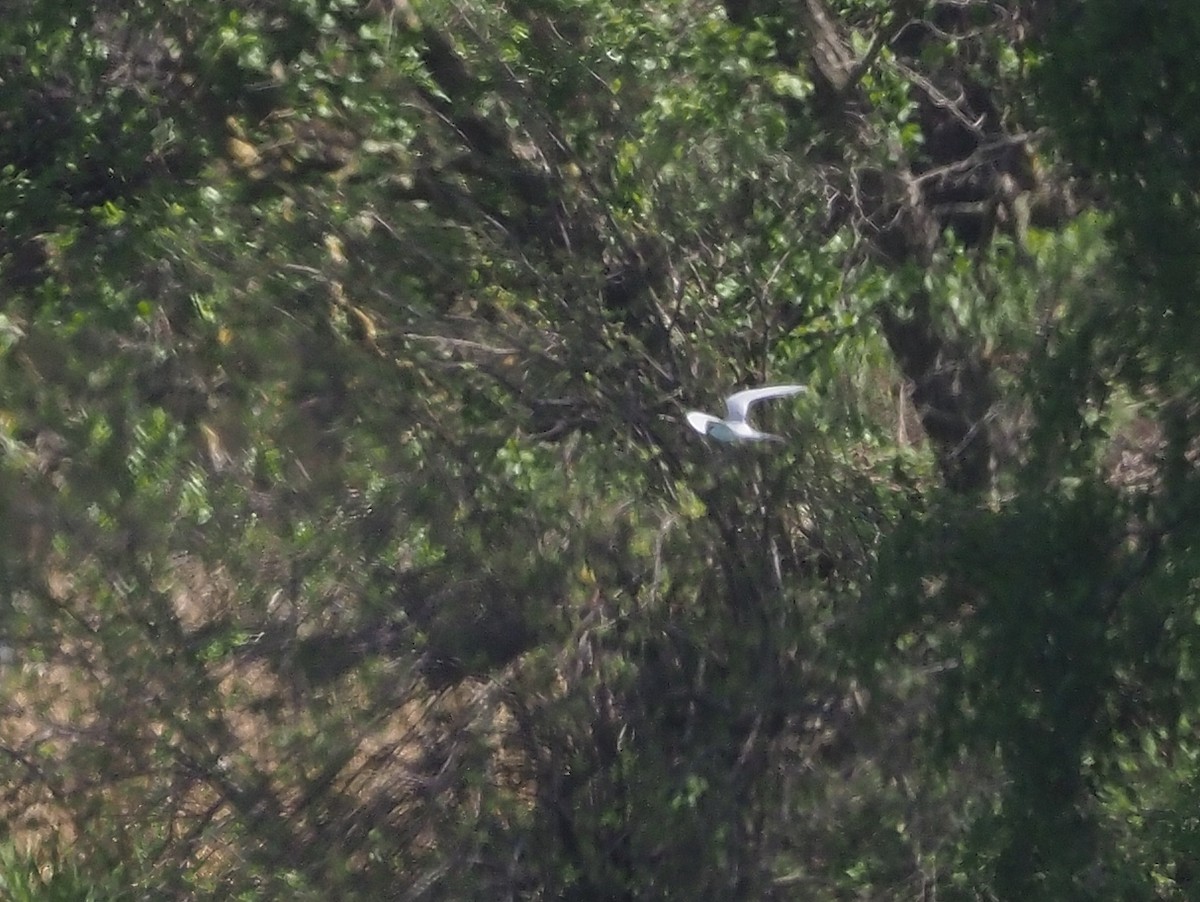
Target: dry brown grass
[{"x": 376, "y": 748}]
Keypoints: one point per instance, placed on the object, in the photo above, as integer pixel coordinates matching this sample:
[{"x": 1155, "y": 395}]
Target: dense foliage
[{"x": 355, "y": 545}]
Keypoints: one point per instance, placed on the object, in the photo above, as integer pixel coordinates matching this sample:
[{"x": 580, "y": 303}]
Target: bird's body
[{"x": 735, "y": 427}]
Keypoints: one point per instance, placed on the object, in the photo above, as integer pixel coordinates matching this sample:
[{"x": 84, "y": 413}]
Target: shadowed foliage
[{"x": 355, "y": 543}]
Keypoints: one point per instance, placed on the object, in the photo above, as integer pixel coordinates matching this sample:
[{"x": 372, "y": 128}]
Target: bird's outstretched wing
[
  {"x": 701, "y": 421},
  {"x": 738, "y": 405}
]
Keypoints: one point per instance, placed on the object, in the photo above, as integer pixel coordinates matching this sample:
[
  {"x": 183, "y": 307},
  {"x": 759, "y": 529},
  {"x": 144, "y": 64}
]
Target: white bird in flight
[{"x": 735, "y": 428}]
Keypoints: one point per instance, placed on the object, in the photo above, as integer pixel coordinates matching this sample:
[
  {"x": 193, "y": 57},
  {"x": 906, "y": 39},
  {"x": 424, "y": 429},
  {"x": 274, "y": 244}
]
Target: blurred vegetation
[{"x": 354, "y": 542}]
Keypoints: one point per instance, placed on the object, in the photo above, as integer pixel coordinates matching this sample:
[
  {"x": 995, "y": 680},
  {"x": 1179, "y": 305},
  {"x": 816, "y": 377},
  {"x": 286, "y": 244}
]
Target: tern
[{"x": 735, "y": 428}]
